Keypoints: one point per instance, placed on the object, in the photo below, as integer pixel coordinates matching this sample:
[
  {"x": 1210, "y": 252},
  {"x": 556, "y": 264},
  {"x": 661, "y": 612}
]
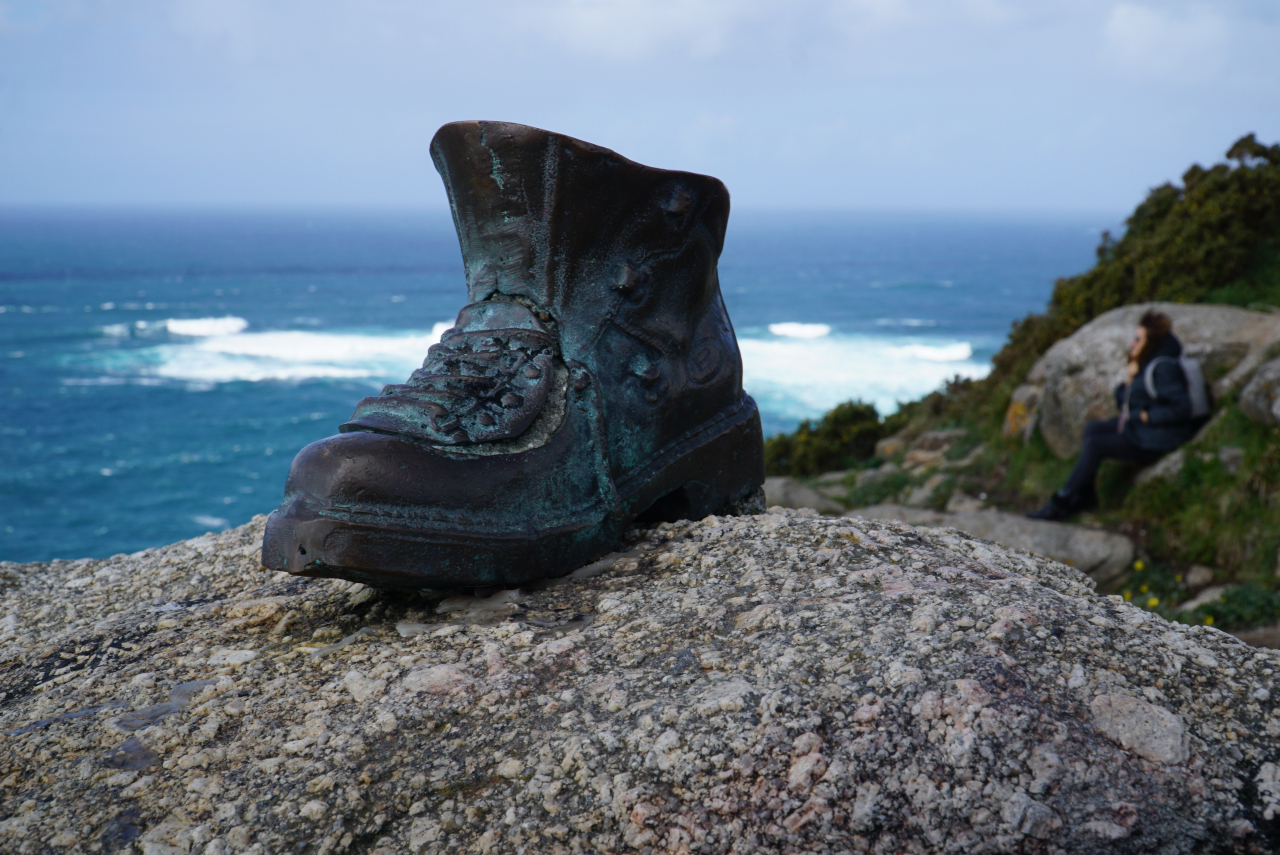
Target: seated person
[{"x": 1146, "y": 428}]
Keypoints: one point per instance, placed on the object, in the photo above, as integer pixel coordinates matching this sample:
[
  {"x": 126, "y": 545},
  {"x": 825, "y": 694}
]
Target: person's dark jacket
[{"x": 1169, "y": 422}]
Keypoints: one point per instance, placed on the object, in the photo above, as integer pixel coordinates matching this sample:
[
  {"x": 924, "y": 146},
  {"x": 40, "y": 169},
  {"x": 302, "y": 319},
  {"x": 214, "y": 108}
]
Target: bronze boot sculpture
[{"x": 593, "y": 380}]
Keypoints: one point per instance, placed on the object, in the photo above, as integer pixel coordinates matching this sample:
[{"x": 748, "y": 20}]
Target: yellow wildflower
[
  {"x": 1127, "y": 595},
  {"x": 1153, "y": 602},
  {"x": 1144, "y": 589},
  {"x": 1138, "y": 565},
  {"x": 1208, "y": 620}
]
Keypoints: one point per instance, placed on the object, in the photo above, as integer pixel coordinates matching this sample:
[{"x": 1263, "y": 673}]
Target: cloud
[
  {"x": 635, "y": 29},
  {"x": 707, "y": 134},
  {"x": 949, "y": 103},
  {"x": 862, "y": 16},
  {"x": 235, "y": 25},
  {"x": 1155, "y": 43}
]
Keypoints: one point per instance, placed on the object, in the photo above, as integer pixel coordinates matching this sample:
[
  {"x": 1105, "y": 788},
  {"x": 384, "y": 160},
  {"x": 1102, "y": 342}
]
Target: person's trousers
[{"x": 1100, "y": 442}]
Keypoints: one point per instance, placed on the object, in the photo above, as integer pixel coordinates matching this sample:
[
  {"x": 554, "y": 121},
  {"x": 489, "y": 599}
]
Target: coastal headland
[{"x": 1202, "y": 525}]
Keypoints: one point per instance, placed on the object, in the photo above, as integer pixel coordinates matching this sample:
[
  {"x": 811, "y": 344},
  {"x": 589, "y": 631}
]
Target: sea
[{"x": 159, "y": 369}]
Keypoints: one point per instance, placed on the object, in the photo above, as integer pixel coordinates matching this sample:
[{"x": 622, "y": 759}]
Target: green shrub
[
  {"x": 1240, "y": 608},
  {"x": 1156, "y": 588},
  {"x": 1216, "y": 239},
  {"x": 844, "y": 438}
]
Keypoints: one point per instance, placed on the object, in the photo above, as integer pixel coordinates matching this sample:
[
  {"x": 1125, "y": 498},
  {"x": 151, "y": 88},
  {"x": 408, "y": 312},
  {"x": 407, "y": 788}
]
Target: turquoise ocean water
[{"x": 158, "y": 370}]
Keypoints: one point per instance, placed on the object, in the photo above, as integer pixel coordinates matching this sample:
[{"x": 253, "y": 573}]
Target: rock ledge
[{"x": 778, "y": 683}]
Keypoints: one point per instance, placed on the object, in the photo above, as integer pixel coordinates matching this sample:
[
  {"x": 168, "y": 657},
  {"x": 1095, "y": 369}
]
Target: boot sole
[{"x": 709, "y": 471}]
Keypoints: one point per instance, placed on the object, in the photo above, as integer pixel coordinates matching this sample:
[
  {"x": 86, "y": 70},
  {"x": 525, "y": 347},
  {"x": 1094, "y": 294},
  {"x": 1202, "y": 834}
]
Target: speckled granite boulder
[
  {"x": 787, "y": 492},
  {"x": 1260, "y": 398},
  {"x": 779, "y": 683},
  {"x": 1103, "y": 556}
]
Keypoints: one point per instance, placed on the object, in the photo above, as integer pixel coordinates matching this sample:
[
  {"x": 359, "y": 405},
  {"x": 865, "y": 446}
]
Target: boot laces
[{"x": 481, "y": 385}]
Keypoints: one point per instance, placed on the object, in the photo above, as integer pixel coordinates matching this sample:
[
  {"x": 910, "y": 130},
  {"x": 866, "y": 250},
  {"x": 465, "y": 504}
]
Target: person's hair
[{"x": 1157, "y": 325}]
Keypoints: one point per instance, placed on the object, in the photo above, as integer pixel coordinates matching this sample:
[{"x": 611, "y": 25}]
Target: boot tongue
[{"x": 495, "y": 315}]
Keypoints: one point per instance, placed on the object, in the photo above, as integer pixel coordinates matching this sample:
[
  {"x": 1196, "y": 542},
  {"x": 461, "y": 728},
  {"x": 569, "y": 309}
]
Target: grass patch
[
  {"x": 1208, "y": 514},
  {"x": 1031, "y": 472},
  {"x": 879, "y": 491},
  {"x": 1240, "y": 608}
]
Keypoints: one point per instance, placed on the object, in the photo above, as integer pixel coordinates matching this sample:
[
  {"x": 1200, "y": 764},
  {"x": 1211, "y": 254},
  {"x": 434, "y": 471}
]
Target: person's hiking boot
[
  {"x": 1066, "y": 503},
  {"x": 1058, "y": 508},
  {"x": 592, "y": 380},
  {"x": 1086, "y": 501}
]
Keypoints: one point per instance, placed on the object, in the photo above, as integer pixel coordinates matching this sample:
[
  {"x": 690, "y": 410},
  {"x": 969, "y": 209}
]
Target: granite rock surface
[
  {"x": 1260, "y": 398},
  {"x": 1103, "y": 556},
  {"x": 787, "y": 492},
  {"x": 777, "y": 683}
]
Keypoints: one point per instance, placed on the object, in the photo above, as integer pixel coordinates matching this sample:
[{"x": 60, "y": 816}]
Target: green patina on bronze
[{"x": 592, "y": 379}]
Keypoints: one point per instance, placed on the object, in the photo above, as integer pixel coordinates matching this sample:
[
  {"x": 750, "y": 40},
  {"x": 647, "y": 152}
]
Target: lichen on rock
[{"x": 775, "y": 683}]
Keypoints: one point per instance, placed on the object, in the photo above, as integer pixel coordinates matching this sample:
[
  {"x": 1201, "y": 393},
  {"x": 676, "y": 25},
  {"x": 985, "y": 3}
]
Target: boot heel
[{"x": 722, "y": 473}]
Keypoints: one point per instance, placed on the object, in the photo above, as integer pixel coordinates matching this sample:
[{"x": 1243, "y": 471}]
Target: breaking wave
[
  {"x": 223, "y": 353},
  {"x": 791, "y": 329},
  {"x": 797, "y": 378},
  {"x": 202, "y": 327},
  {"x": 799, "y": 370}
]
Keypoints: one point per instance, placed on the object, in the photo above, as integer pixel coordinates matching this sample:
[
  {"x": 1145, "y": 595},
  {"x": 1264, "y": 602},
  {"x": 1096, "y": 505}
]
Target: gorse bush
[
  {"x": 842, "y": 439},
  {"x": 1215, "y": 239}
]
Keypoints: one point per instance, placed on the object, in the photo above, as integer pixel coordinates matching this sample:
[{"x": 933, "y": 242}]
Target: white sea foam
[
  {"x": 905, "y": 322},
  {"x": 210, "y": 522},
  {"x": 295, "y": 355},
  {"x": 791, "y": 376},
  {"x": 803, "y": 378},
  {"x": 201, "y": 327},
  {"x": 791, "y": 329},
  {"x": 277, "y": 355},
  {"x": 957, "y": 352}
]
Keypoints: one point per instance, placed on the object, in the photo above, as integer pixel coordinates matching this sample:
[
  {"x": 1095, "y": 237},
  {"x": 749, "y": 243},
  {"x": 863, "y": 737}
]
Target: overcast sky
[{"x": 1048, "y": 105}]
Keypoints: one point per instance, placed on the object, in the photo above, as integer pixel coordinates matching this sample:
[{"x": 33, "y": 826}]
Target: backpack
[{"x": 1198, "y": 389}]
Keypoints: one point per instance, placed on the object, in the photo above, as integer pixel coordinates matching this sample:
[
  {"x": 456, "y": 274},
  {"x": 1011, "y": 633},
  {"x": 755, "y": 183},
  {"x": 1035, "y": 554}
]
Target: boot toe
[{"x": 395, "y": 512}]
